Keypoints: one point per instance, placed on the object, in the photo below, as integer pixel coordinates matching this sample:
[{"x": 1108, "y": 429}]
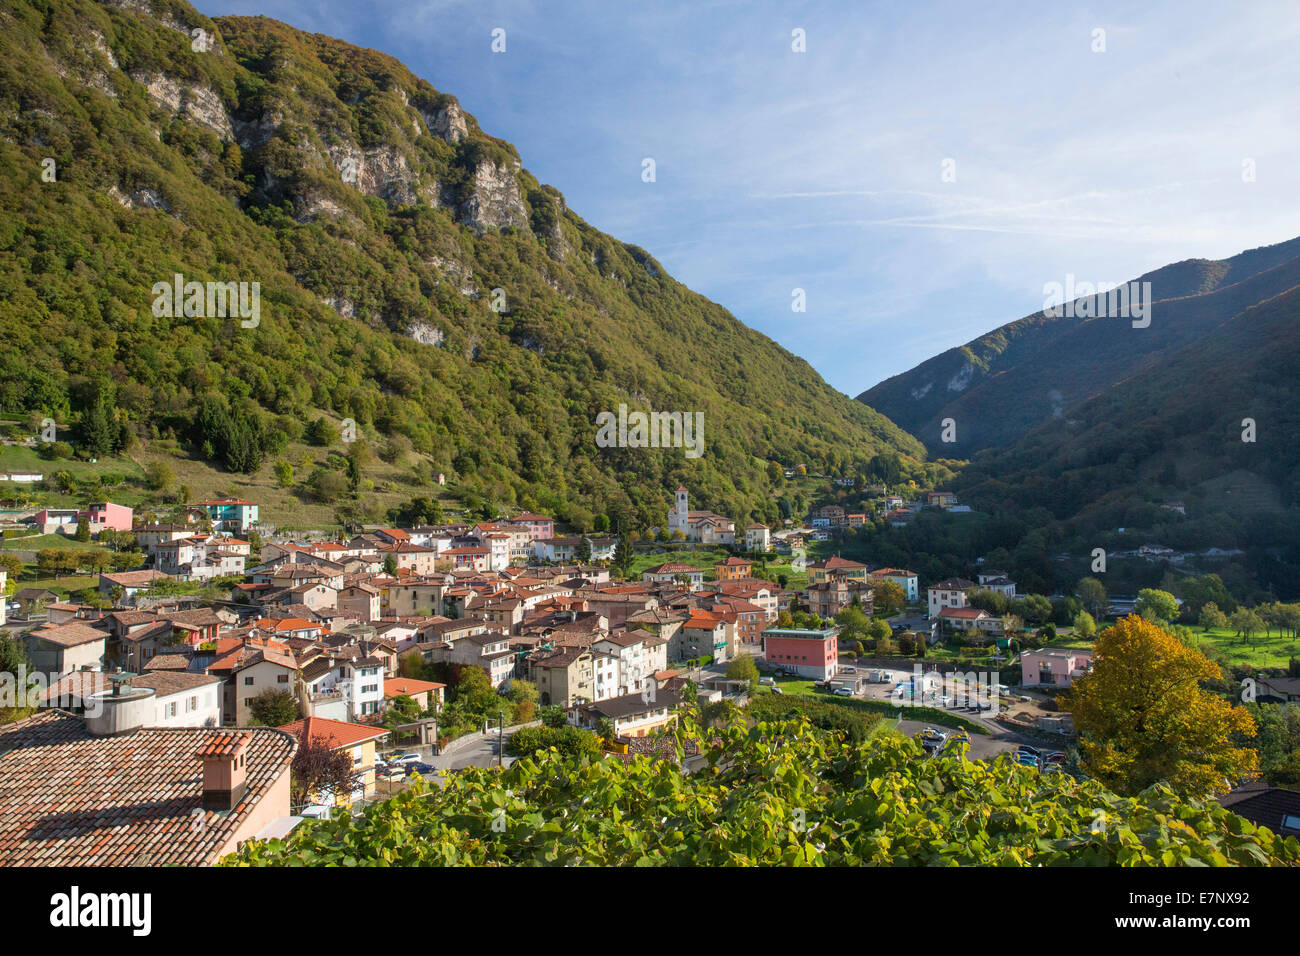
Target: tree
[
  {"x": 158, "y": 475},
  {"x": 552, "y": 716},
  {"x": 321, "y": 432},
  {"x": 13, "y": 661},
  {"x": 1093, "y": 595},
  {"x": 1144, "y": 718},
  {"x": 567, "y": 740},
  {"x": 1211, "y": 617},
  {"x": 326, "y": 484},
  {"x": 402, "y": 709},
  {"x": 1244, "y": 623},
  {"x": 1084, "y": 626},
  {"x": 742, "y": 667},
  {"x": 995, "y": 602},
  {"x": 877, "y": 628},
  {"x": 888, "y": 597},
  {"x": 11, "y": 564},
  {"x": 1034, "y": 608},
  {"x": 319, "y": 772},
  {"x": 273, "y": 708},
  {"x": 98, "y": 432},
  {"x": 853, "y": 622},
  {"x": 284, "y": 474},
  {"x": 83, "y": 529},
  {"x": 390, "y": 566},
  {"x": 1156, "y": 605}
]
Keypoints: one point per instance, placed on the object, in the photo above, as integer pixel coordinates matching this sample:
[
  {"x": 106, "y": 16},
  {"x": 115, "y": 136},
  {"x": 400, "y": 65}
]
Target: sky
[{"x": 921, "y": 171}]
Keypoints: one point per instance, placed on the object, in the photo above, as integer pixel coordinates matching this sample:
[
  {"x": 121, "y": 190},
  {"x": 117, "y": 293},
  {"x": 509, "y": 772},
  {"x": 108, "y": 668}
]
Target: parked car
[
  {"x": 1055, "y": 757},
  {"x": 1029, "y": 760},
  {"x": 423, "y": 769},
  {"x": 933, "y": 733},
  {"x": 767, "y": 681},
  {"x": 848, "y": 670},
  {"x": 1032, "y": 751},
  {"x": 842, "y": 692},
  {"x": 405, "y": 760}
]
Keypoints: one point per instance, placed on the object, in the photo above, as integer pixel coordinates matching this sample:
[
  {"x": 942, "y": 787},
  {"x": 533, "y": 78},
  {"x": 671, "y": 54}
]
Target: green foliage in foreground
[
  {"x": 853, "y": 715},
  {"x": 776, "y": 794}
]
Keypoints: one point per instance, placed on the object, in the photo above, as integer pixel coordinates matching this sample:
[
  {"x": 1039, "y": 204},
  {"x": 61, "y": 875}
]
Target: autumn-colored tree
[
  {"x": 1144, "y": 718},
  {"x": 889, "y": 597},
  {"x": 319, "y": 770}
]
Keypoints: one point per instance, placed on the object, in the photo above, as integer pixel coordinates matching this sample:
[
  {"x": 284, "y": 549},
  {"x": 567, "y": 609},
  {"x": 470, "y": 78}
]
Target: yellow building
[{"x": 732, "y": 569}]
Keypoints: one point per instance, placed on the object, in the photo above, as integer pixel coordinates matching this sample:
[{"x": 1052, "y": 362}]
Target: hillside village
[
  {"x": 401, "y": 645},
  {"x": 379, "y": 578}
]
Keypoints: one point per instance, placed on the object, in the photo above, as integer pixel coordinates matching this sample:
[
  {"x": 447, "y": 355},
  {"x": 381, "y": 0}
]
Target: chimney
[{"x": 224, "y": 770}]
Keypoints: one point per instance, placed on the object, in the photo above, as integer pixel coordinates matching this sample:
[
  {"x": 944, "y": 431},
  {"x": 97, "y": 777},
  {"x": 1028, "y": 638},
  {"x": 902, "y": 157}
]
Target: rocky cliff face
[
  {"x": 494, "y": 199},
  {"x": 479, "y": 184}
]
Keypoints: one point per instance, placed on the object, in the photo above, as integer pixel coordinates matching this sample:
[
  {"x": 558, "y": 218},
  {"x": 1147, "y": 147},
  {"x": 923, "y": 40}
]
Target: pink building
[
  {"x": 1053, "y": 668},
  {"x": 808, "y": 653},
  {"x": 105, "y": 514},
  {"x": 100, "y": 516},
  {"x": 539, "y": 527}
]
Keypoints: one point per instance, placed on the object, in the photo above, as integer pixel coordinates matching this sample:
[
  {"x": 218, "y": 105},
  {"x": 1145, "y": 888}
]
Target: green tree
[
  {"x": 1211, "y": 617},
  {"x": 1244, "y": 623},
  {"x": 273, "y": 708},
  {"x": 742, "y": 667},
  {"x": 158, "y": 475},
  {"x": 1084, "y": 626},
  {"x": 83, "y": 529},
  {"x": 321, "y": 432},
  {"x": 1093, "y": 595},
  {"x": 1156, "y": 605},
  {"x": 284, "y": 474}
]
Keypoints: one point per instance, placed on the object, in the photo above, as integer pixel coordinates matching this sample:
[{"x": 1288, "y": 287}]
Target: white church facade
[{"x": 702, "y": 526}]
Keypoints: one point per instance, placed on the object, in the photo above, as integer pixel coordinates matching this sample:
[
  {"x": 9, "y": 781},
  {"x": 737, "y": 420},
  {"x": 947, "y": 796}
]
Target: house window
[{"x": 248, "y": 682}]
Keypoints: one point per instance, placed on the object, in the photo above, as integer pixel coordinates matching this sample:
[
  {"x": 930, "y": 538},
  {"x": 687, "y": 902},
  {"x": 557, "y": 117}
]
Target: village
[
  {"x": 361, "y": 643},
  {"x": 421, "y": 650}
]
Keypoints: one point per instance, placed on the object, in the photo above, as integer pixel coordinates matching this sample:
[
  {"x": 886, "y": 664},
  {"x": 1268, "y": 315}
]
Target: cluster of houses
[
  {"x": 830, "y": 520},
  {"x": 331, "y": 623}
]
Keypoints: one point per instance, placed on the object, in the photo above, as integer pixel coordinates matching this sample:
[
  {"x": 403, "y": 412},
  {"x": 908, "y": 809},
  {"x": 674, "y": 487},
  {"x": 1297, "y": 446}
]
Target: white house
[{"x": 948, "y": 593}]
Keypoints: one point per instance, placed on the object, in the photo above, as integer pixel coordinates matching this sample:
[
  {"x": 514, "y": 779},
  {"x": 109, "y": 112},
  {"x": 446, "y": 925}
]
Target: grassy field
[
  {"x": 706, "y": 558},
  {"x": 1273, "y": 649},
  {"x": 285, "y": 508},
  {"x": 36, "y": 542},
  {"x": 63, "y": 585},
  {"x": 1261, "y": 650}
]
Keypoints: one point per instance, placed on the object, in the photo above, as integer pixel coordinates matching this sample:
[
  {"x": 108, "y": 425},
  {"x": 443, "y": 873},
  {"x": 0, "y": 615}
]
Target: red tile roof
[
  {"x": 336, "y": 733},
  {"x": 68, "y": 798},
  {"x": 396, "y": 686}
]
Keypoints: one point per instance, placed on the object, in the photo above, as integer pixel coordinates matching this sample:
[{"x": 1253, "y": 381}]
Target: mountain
[
  {"x": 412, "y": 275},
  {"x": 999, "y": 387},
  {"x": 1176, "y": 432}
]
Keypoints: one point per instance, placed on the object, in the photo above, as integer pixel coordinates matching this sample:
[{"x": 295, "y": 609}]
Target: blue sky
[{"x": 823, "y": 170}]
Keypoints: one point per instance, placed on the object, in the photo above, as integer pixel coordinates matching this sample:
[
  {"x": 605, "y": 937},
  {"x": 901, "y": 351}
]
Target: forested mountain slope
[{"x": 378, "y": 219}]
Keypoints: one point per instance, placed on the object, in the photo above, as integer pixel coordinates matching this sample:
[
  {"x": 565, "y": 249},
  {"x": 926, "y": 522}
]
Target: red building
[{"x": 808, "y": 653}]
